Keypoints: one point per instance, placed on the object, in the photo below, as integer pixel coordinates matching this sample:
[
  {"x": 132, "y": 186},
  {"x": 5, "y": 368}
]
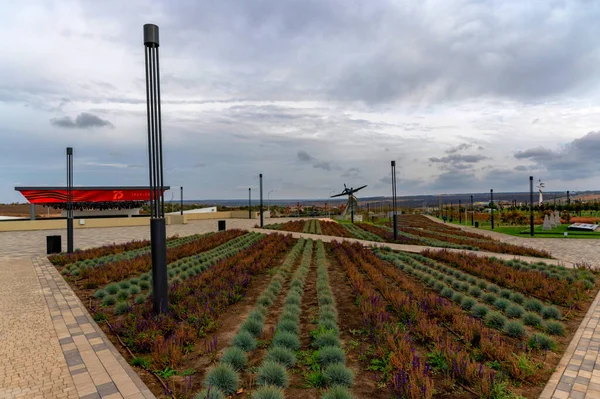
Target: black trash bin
[
  {"x": 221, "y": 225},
  {"x": 53, "y": 244},
  {"x": 477, "y": 224}
]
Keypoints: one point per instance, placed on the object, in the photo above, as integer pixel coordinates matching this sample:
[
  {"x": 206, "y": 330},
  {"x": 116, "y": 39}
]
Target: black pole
[
  {"x": 492, "y": 205},
  {"x": 249, "y": 203},
  {"x": 531, "y": 205},
  {"x": 568, "y": 207},
  {"x": 158, "y": 232},
  {"x": 451, "y": 211},
  {"x": 459, "y": 213},
  {"x": 394, "y": 201},
  {"x": 261, "y": 201},
  {"x": 472, "y": 212},
  {"x": 69, "y": 200},
  {"x": 181, "y": 197}
]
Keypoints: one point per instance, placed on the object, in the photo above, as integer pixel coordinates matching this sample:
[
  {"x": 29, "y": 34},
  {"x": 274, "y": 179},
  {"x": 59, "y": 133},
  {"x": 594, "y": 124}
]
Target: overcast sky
[{"x": 464, "y": 95}]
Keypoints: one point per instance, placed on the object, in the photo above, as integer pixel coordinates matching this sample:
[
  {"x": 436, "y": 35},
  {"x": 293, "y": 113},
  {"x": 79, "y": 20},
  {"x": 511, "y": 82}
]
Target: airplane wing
[
  {"x": 338, "y": 195},
  {"x": 360, "y": 188}
]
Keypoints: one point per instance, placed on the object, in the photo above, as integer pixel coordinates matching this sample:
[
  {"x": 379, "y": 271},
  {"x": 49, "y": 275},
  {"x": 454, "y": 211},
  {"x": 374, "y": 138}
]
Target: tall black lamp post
[
  {"x": 459, "y": 213},
  {"x": 261, "y": 201},
  {"x": 531, "y": 205},
  {"x": 394, "y": 201},
  {"x": 249, "y": 203},
  {"x": 158, "y": 232},
  {"x": 69, "y": 200},
  {"x": 181, "y": 199},
  {"x": 492, "y": 205}
]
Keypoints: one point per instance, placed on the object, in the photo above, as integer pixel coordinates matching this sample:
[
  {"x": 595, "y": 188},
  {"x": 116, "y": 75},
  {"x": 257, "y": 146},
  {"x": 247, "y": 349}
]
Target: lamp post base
[{"x": 158, "y": 235}]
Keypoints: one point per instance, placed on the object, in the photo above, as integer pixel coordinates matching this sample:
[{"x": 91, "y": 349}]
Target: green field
[{"x": 523, "y": 231}]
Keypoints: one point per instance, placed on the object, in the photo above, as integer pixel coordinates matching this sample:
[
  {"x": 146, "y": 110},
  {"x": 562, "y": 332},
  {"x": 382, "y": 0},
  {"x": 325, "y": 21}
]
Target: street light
[{"x": 269, "y": 202}]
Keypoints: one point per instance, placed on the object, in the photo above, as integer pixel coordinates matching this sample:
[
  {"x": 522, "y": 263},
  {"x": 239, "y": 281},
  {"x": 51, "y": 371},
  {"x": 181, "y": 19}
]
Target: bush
[
  {"x": 330, "y": 355},
  {"x": 144, "y": 284},
  {"x": 533, "y": 305},
  {"x": 123, "y": 294},
  {"x": 475, "y": 292},
  {"x": 554, "y": 328},
  {"x": 293, "y": 299},
  {"x": 268, "y": 392},
  {"x": 479, "y": 311},
  {"x": 122, "y": 308},
  {"x": 551, "y": 312},
  {"x": 109, "y": 300},
  {"x": 329, "y": 325},
  {"x": 253, "y": 327},
  {"x": 517, "y": 297},
  {"x": 256, "y": 316},
  {"x": 290, "y": 316},
  {"x": 532, "y": 319},
  {"x": 134, "y": 281},
  {"x": 223, "y": 377},
  {"x": 514, "y": 329},
  {"x": 124, "y": 285},
  {"x": 328, "y": 315},
  {"x": 140, "y": 299},
  {"x": 495, "y": 320},
  {"x": 541, "y": 341},
  {"x": 99, "y": 294},
  {"x": 447, "y": 292},
  {"x": 501, "y": 304},
  {"x": 286, "y": 340},
  {"x": 489, "y": 298},
  {"x": 338, "y": 374},
  {"x": 235, "y": 357},
  {"x": 457, "y": 297},
  {"x": 514, "y": 311},
  {"x": 288, "y": 326},
  {"x": 493, "y": 288},
  {"x": 210, "y": 393},
  {"x": 281, "y": 355},
  {"x": 438, "y": 286},
  {"x": 467, "y": 303},
  {"x": 272, "y": 373},
  {"x": 245, "y": 341},
  {"x": 326, "y": 338},
  {"x": 505, "y": 293},
  {"x": 337, "y": 392},
  {"x": 112, "y": 289},
  {"x": 135, "y": 290}
]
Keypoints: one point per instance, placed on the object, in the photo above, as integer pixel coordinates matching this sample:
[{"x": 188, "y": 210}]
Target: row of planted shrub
[
  {"x": 436, "y": 241},
  {"x": 312, "y": 227},
  {"x": 530, "y": 282},
  {"x": 432, "y": 317},
  {"x": 194, "y": 305},
  {"x": 122, "y": 269},
  {"x": 423, "y": 222},
  {"x": 294, "y": 225},
  {"x": 486, "y": 245},
  {"x": 329, "y": 354},
  {"x": 224, "y": 379},
  {"x": 272, "y": 374},
  {"x": 334, "y": 229},
  {"x": 360, "y": 233},
  {"x": 555, "y": 271},
  {"x": 469, "y": 290},
  {"x": 64, "y": 258},
  {"x": 75, "y": 269},
  {"x": 406, "y": 380},
  {"x": 177, "y": 271}
]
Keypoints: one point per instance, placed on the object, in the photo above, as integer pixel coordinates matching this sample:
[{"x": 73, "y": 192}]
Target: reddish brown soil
[{"x": 23, "y": 210}]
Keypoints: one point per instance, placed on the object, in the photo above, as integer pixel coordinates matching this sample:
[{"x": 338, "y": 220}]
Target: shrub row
[
  {"x": 75, "y": 269},
  {"x": 465, "y": 290},
  {"x": 529, "y": 282},
  {"x": 286, "y": 341},
  {"x": 360, "y": 233},
  {"x": 64, "y": 258},
  {"x": 224, "y": 378},
  {"x": 177, "y": 271},
  {"x": 555, "y": 271}
]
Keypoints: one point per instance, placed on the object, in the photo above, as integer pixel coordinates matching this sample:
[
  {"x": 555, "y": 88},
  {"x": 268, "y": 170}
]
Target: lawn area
[{"x": 522, "y": 231}]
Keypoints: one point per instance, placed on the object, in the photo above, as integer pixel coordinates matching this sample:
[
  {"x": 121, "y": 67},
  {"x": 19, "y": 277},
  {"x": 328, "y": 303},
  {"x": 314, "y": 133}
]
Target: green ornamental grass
[
  {"x": 337, "y": 392},
  {"x": 447, "y": 292},
  {"x": 224, "y": 378},
  {"x": 514, "y": 329},
  {"x": 479, "y": 311},
  {"x": 99, "y": 294},
  {"x": 112, "y": 289},
  {"x": 122, "y": 308},
  {"x": 210, "y": 393},
  {"x": 268, "y": 392},
  {"x": 489, "y": 298},
  {"x": 475, "y": 292},
  {"x": 495, "y": 320},
  {"x": 287, "y": 340},
  {"x": 330, "y": 355},
  {"x": 551, "y": 312},
  {"x": 542, "y": 342},
  {"x": 553, "y": 327},
  {"x": 109, "y": 300},
  {"x": 281, "y": 355},
  {"x": 253, "y": 327},
  {"x": 532, "y": 319},
  {"x": 338, "y": 374},
  {"x": 245, "y": 341},
  {"x": 533, "y": 305},
  {"x": 514, "y": 311},
  {"x": 272, "y": 373},
  {"x": 326, "y": 338},
  {"x": 288, "y": 326},
  {"x": 501, "y": 304},
  {"x": 235, "y": 357},
  {"x": 140, "y": 299},
  {"x": 467, "y": 303}
]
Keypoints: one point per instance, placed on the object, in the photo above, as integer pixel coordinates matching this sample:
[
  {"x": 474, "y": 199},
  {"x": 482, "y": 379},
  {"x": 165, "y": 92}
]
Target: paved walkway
[{"x": 51, "y": 347}]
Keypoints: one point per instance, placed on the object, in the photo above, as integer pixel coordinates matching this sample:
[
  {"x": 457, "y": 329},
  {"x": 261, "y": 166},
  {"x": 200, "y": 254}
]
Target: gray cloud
[
  {"x": 458, "y": 158},
  {"x": 83, "y": 121},
  {"x": 536, "y": 154},
  {"x": 322, "y": 165},
  {"x": 458, "y": 148},
  {"x": 352, "y": 173},
  {"x": 303, "y": 156}
]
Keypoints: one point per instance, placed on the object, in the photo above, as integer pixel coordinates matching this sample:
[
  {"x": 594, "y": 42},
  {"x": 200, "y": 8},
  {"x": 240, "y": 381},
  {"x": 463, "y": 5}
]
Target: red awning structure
[{"x": 57, "y": 195}]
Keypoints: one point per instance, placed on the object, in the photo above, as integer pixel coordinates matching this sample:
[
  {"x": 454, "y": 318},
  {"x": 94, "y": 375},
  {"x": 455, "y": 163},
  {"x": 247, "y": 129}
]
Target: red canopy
[{"x": 48, "y": 195}]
